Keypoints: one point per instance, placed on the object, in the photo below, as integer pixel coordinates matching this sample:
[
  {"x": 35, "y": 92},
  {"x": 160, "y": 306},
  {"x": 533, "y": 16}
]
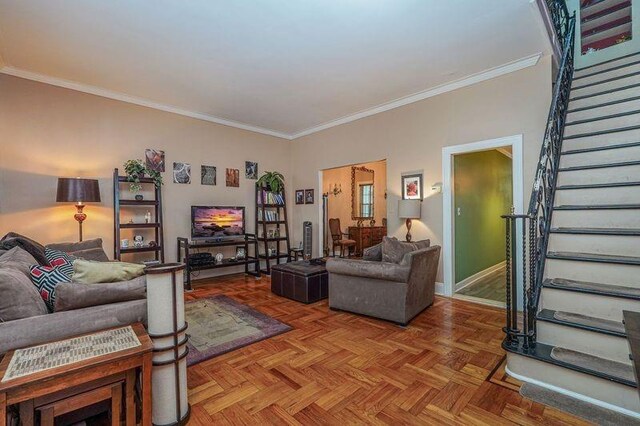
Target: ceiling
[{"x": 281, "y": 67}]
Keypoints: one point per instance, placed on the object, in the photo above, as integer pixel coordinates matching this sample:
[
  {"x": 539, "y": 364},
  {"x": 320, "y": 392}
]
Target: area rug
[{"x": 218, "y": 324}]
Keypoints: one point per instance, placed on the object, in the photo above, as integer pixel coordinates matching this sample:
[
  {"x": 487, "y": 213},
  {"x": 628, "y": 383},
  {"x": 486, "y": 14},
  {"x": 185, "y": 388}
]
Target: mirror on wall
[{"x": 362, "y": 193}]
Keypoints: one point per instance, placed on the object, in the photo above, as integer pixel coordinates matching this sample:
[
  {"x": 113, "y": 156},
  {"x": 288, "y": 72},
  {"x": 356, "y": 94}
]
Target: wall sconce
[{"x": 336, "y": 189}]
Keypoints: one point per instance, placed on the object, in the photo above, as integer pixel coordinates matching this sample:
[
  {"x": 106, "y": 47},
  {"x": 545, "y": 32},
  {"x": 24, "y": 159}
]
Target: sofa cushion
[
  {"x": 18, "y": 258},
  {"x": 71, "y": 296},
  {"x": 88, "y": 250},
  {"x": 34, "y": 248},
  {"x": 18, "y": 296},
  {"x": 46, "y": 278},
  {"x": 91, "y": 272},
  {"x": 373, "y": 253}
]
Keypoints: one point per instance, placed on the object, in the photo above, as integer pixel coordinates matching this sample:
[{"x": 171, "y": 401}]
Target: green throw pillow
[{"x": 91, "y": 272}]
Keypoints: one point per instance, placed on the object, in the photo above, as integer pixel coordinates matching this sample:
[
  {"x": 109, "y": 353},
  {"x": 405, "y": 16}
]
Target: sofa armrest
[
  {"x": 61, "y": 325},
  {"x": 71, "y": 296},
  {"x": 369, "y": 269}
]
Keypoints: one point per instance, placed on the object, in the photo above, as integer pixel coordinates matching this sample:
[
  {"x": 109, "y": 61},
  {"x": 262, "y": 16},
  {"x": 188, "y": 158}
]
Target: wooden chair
[{"x": 338, "y": 241}]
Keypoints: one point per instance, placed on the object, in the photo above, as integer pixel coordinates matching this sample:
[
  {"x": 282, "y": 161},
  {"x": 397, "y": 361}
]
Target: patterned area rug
[{"x": 218, "y": 324}]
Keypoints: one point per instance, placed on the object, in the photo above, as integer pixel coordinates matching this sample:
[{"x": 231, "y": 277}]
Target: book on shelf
[
  {"x": 270, "y": 197},
  {"x": 269, "y": 215}
]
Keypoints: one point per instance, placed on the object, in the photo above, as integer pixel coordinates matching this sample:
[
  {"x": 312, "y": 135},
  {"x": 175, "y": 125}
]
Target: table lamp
[
  {"x": 79, "y": 191},
  {"x": 409, "y": 209}
]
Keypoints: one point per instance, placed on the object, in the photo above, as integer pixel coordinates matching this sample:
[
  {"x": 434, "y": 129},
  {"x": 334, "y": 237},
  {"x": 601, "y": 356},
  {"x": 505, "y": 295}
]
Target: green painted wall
[{"x": 482, "y": 192}]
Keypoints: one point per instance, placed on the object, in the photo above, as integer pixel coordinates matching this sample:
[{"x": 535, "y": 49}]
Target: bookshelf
[
  {"x": 272, "y": 227},
  {"x": 156, "y": 226}
]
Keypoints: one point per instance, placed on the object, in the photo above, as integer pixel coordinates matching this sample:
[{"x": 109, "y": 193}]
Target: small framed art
[
  {"x": 308, "y": 196},
  {"x": 299, "y": 196},
  {"x": 412, "y": 187}
]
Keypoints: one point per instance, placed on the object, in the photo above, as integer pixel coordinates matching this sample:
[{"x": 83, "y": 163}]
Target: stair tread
[
  {"x": 597, "y": 207},
  {"x": 606, "y": 62},
  {"x": 597, "y": 185},
  {"x": 604, "y": 104},
  {"x": 594, "y": 257},
  {"x": 594, "y": 288},
  {"x": 596, "y": 231},
  {"x": 582, "y": 321},
  {"x": 595, "y": 366},
  {"x": 606, "y": 367},
  {"x": 603, "y": 117},
  {"x": 606, "y": 80},
  {"x": 602, "y": 132},
  {"x": 599, "y": 166},
  {"x": 617, "y": 67},
  {"x": 601, "y": 148},
  {"x": 605, "y": 92}
]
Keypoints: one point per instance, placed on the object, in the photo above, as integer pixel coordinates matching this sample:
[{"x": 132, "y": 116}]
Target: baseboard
[{"x": 480, "y": 275}]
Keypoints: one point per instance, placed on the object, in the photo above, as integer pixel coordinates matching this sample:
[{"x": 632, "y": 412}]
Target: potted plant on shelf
[
  {"x": 135, "y": 170},
  {"x": 272, "y": 181}
]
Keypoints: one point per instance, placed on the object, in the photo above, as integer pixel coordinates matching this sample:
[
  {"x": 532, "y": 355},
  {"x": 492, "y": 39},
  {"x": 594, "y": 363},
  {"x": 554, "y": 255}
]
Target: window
[{"x": 366, "y": 200}]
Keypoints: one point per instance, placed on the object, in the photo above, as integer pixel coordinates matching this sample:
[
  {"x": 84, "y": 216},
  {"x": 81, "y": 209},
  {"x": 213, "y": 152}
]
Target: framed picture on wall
[
  {"x": 299, "y": 196},
  {"x": 308, "y": 196},
  {"x": 412, "y": 187}
]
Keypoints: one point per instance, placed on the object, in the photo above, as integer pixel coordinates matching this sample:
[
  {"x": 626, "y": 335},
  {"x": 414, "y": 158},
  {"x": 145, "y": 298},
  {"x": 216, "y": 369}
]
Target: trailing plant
[
  {"x": 135, "y": 170},
  {"x": 274, "y": 181}
]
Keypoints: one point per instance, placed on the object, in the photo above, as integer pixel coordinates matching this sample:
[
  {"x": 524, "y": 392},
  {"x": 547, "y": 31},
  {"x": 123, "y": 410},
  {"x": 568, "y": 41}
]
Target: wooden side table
[{"x": 73, "y": 386}]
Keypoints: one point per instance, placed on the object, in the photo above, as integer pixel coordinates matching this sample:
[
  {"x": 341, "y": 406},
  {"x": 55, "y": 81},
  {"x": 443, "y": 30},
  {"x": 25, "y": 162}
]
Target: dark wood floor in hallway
[{"x": 339, "y": 368}]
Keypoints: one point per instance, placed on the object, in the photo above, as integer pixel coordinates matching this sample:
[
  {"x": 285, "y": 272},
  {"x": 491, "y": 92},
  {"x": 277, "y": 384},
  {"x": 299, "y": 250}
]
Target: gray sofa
[
  {"x": 394, "y": 291},
  {"x": 79, "y": 308}
]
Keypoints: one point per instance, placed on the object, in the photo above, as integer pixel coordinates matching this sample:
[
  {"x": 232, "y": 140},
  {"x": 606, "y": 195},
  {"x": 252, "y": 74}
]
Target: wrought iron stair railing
[{"x": 531, "y": 230}]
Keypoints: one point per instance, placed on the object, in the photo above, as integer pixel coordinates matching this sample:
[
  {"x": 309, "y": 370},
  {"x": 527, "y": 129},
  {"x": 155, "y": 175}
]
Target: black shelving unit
[
  {"x": 185, "y": 248},
  {"x": 265, "y": 208},
  {"x": 155, "y": 204}
]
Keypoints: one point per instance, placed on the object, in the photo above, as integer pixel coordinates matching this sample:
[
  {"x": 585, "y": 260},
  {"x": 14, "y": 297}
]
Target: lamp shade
[
  {"x": 409, "y": 209},
  {"x": 76, "y": 190}
]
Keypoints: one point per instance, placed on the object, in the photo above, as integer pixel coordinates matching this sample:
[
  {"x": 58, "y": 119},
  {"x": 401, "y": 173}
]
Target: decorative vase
[{"x": 139, "y": 197}]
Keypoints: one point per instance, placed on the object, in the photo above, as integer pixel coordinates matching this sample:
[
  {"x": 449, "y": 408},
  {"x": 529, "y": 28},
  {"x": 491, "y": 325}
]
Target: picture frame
[
  {"x": 240, "y": 253},
  {"x": 412, "y": 187},
  {"x": 251, "y": 170},
  {"x": 299, "y": 196},
  {"x": 309, "y": 196},
  {"x": 232, "y": 178}
]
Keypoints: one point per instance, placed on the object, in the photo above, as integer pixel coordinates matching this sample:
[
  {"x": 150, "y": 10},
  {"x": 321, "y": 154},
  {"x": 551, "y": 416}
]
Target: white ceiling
[{"x": 282, "y": 67}]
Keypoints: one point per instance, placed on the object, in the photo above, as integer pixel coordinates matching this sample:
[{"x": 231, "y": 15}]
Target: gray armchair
[{"x": 390, "y": 291}]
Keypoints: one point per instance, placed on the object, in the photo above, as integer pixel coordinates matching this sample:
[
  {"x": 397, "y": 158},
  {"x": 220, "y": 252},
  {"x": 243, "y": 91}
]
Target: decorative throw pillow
[
  {"x": 89, "y": 272},
  {"x": 373, "y": 253},
  {"x": 46, "y": 278},
  {"x": 394, "y": 250},
  {"x": 59, "y": 258}
]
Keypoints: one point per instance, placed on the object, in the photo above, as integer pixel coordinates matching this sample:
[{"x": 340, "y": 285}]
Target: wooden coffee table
[{"x": 69, "y": 387}]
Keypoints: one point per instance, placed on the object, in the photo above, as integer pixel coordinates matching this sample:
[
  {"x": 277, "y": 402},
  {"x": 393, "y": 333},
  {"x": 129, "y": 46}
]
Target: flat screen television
[{"x": 216, "y": 222}]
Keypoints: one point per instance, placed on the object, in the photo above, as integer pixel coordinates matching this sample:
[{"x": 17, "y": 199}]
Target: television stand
[{"x": 186, "y": 246}]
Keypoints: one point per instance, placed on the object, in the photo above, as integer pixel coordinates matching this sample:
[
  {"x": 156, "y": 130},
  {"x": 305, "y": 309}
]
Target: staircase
[{"x": 574, "y": 340}]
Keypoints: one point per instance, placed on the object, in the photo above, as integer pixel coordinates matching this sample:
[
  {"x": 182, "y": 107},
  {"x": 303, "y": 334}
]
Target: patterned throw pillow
[{"x": 46, "y": 278}]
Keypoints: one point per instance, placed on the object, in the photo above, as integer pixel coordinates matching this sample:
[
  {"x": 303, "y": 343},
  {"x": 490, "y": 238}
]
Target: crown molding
[
  {"x": 93, "y": 90},
  {"x": 507, "y": 68},
  {"x": 510, "y": 67}
]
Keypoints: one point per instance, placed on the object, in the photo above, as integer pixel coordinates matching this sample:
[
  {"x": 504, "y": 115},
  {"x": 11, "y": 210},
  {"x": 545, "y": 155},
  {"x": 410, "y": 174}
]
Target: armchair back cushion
[
  {"x": 19, "y": 298},
  {"x": 394, "y": 250},
  {"x": 18, "y": 258},
  {"x": 87, "y": 250}
]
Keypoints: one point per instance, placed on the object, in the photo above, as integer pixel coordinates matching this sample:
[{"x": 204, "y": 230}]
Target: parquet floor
[{"x": 339, "y": 368}]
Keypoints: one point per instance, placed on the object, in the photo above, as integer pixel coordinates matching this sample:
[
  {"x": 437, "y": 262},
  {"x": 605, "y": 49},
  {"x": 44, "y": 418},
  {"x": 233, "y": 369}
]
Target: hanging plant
[
  {"x": 273, "y": 181},
  {"x": 135, "y": 171}
]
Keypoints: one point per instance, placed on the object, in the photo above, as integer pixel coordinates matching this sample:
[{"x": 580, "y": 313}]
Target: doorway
[{"x": 481, "y": 182}]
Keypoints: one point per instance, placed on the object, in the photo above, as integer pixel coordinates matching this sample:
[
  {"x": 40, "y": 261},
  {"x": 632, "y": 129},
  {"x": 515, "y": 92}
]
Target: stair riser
[
  {"x": 593, "y": 305},
  {"x": 603, "y": 98},
  {"x": 600, "y": 125},
  {"x": 601, "y": 20},
  {"x": 601, "y": 175},
  {"x": 616, "y": 32},
  {"x": 606, "y": 66},
  {"x": 590, "y": 342},
  {"x": 599, "y": 7},
  {"x": 588, "y": 385},
  {"x": 615, "y": 195},
  {"x": 596, "y": 218},
  {"x": 601, "y": 244},
  {"x": 611, "y": 85},
  {"x": 600, "y": 157},
  {"x": 609, "y": 74},
  {"x": 604, "y": 111},
  {"x": 606, "y": 273}
]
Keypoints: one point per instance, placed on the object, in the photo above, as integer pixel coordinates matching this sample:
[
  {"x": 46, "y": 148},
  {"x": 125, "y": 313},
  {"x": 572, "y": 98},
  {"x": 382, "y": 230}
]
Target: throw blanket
[{"x": 34, "y": 248}]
